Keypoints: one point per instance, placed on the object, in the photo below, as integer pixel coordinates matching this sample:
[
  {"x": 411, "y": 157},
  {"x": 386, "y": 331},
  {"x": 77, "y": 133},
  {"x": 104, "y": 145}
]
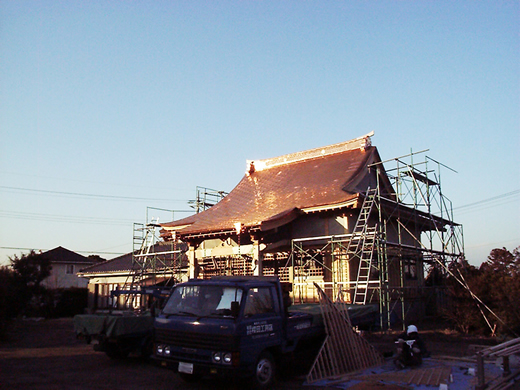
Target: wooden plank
[
  {"x": 429, "y": 377},
  {"x": 499, "y": 347},
  {"x": 344, "y": 350},
  {"x": 506, "y": 351}
]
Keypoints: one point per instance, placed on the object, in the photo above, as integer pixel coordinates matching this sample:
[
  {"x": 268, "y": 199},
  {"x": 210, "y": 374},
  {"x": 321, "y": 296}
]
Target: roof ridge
[{"x": 362, "y": 143}]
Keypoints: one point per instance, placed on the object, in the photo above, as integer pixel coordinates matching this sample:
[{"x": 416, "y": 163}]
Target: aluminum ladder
[{"x": 362, "y": 245}]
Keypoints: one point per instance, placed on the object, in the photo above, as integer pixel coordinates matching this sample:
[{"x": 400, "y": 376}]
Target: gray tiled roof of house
[
  {"x": 124, "y": 262},
  {"x": 63, "y": 255}
]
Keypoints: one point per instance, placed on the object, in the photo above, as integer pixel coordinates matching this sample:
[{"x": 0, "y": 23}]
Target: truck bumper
[{"x": 203, "y": 369}]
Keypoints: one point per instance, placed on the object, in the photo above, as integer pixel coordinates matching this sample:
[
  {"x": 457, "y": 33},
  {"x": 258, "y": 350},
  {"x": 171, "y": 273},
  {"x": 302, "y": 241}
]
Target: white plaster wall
[{"x": 60, "y": 279}]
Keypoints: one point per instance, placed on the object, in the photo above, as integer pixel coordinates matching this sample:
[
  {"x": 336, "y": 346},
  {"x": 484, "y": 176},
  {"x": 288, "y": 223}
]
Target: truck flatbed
[
  {"x": 112, "y": 325},
  {"x": 116, "y": 333}
]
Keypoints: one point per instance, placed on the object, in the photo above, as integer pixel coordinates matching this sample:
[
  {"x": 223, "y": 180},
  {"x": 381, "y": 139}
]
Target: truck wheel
[
  {"x": 147, "y": 349},
  {"x": 264, "y": 371},
  {"x": 114, "y": 351}
]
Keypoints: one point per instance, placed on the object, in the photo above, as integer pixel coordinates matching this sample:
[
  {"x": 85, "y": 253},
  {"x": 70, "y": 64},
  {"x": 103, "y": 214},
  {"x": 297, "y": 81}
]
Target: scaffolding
[
  {"x": 154, "y": 264},
  {"x": 206, "y": 198},
  {"x": 404, "y": 231}
]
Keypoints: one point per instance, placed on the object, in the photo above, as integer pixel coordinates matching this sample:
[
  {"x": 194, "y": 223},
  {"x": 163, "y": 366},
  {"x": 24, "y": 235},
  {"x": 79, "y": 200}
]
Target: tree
[
  {"x": 96, "y": 258},
  {"x": 31, "y": 268},
  {"x": 462, "y": 311},
  {"x": 9, "y": 295},
  {"x": 486, "y": 299},
  {"x": 13, "y": 297},
  {"x": 501, "y": 261},
  {"x": 500, "y": 283},
  {"x": 29, "y": 272}
]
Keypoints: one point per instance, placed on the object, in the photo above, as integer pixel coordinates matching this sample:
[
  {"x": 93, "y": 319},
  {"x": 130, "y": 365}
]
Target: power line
[
  {"x": 92, "y": 181},
  {"x": 22, "y": 249},
  {"x": 45, "y": 250},
  {"x": 64, "y": 218},
  {"x": 497, "y": 197},
  {"x": 85, "y": 195},
  {"x": 515, "y": 240},
  {"x": 72, "y": 219},
  {"x": 486, "y": 206}
]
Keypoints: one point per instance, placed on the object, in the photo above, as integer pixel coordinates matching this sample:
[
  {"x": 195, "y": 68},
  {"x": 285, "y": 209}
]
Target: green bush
[{"x": 69, "y": 302}]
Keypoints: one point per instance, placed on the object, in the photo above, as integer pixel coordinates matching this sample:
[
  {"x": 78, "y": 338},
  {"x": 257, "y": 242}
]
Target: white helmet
[{"x": 411, "y": 329}]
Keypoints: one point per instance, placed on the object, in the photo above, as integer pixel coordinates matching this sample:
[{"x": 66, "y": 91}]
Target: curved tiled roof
[{"x": 277, "y": 188}]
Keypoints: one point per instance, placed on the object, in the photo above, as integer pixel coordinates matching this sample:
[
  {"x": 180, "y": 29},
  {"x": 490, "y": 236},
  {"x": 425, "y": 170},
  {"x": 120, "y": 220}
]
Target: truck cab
[{"x": 235, "y": 326}]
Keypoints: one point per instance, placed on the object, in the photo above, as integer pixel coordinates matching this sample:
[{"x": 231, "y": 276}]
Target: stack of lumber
[{"x": 344, "y": 350}]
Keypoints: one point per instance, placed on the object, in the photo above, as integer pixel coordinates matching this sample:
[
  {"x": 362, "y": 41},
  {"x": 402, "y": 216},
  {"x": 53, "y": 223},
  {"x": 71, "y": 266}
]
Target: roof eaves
[
  {"x": 208, "y": 234},
  {"x": 170, "y": 227},
  {"x": 86, "y": 264},
  {"x": 351, "y": 203},
  {"x": 98, "y": 274},
  {"x": 280, "y": 219}
]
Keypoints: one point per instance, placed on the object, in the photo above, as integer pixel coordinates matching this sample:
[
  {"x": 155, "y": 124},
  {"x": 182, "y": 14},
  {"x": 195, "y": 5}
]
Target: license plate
[{"x": 186, "y": 368}]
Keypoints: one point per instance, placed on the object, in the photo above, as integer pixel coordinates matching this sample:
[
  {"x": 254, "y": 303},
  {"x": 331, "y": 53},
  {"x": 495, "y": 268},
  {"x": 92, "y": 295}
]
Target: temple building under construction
[{"x": 367, "y": 231}]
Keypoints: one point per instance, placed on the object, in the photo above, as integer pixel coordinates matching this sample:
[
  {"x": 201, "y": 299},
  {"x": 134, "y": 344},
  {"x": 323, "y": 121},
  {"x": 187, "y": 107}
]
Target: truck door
[{"x": 262, "y": 324}]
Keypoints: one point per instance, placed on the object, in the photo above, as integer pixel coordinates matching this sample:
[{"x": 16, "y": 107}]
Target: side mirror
[{"x": 235, "y": 308}]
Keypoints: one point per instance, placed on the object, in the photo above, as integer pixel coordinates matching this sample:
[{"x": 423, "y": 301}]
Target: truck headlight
[
  {"x": 222, "y": 357},
  {"x": 160, "y": 349},
  {"x": 167, "y": 350},
  {"x": 227, "y": 358},
  {"x": 217, "y": 357}
]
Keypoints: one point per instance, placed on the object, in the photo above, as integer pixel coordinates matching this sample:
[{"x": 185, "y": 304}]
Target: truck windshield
[{"x": 202, "y": 300}]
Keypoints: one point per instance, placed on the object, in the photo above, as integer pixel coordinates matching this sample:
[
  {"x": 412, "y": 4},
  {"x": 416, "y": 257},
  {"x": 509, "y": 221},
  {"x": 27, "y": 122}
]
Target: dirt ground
[
  {"x": 46, "y": 355},
  {"x": 440, "y": 342}
]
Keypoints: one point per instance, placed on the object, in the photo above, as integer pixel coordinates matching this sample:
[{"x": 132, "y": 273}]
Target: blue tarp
[{"x": 461, "y": 375}]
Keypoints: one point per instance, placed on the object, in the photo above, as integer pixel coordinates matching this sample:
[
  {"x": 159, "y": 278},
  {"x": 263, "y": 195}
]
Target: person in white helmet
[{"x": 410, "y": 348}]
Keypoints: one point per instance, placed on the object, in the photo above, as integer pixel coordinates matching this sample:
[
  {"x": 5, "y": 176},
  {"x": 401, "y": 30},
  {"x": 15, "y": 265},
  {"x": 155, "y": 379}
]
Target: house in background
[
  {"x": 160, "y": 266},
  {"x": 65, "y": 266},
  {"x": 103, "y": 278}
]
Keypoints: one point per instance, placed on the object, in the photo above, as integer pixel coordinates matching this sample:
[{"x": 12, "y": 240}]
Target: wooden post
[
  {"x": 192, "y": 261},
  {"x": 481, "y": 382},
  {"x": 505, "y": 365},
  {"x": 257, "y": 259}
]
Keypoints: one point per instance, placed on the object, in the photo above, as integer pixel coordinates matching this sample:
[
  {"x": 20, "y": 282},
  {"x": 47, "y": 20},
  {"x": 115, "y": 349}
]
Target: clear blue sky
[{"x": 110, "y": 107}]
